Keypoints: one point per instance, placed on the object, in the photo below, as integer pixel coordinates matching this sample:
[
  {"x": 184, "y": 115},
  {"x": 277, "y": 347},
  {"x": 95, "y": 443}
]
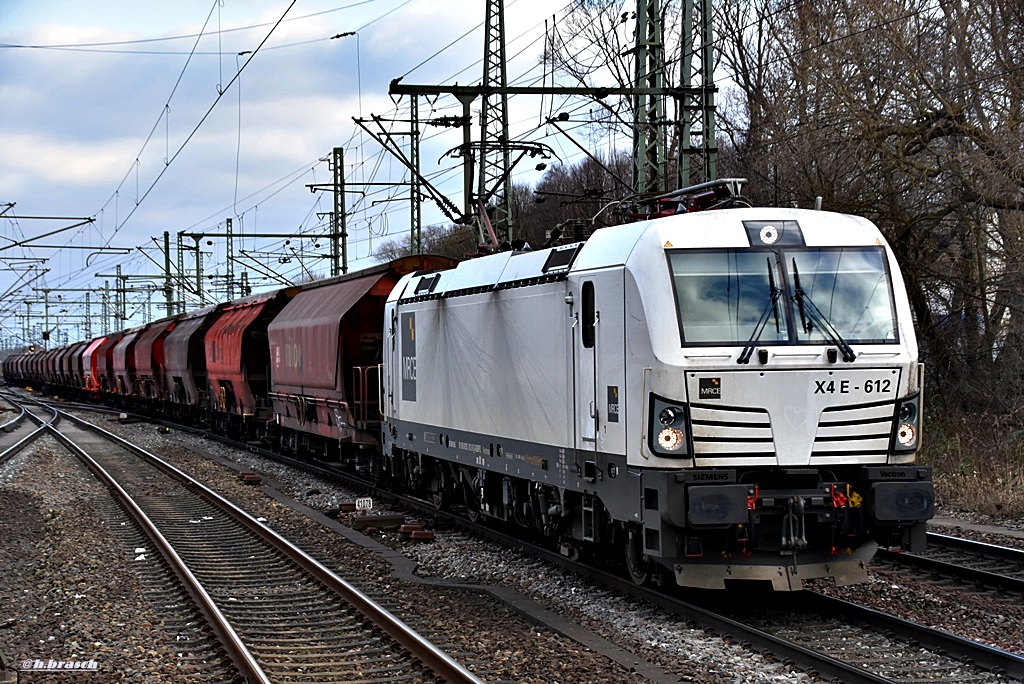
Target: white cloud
[
  {"x": 73, "y": 122},
  {"x": 32, "y": 160}
]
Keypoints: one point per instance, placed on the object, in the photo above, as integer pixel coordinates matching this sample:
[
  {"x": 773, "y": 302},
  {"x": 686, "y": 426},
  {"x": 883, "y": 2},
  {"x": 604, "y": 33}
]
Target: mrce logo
[{"x": 710, "y": 388}]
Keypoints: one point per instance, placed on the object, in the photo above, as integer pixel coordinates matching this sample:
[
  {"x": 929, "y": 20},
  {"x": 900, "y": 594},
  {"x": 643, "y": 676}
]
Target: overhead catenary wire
[
  {"x": 163, "y": 39},
  {"x": 120, "y": 222},
  {"x": 377, "y": 165},
  {"x": 198, "y": 125},
  {"x": 163, "y": 111}
]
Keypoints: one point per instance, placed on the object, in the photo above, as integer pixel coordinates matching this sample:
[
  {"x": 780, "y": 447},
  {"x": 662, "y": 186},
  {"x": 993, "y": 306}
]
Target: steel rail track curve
[
  {"x": 995, "y": 661},
  {"x": 239, "y": 654},
  {"x": 10, "y": 442},
  {"x": 435, "y": 660},
  {"x": 807, "y": 658}
]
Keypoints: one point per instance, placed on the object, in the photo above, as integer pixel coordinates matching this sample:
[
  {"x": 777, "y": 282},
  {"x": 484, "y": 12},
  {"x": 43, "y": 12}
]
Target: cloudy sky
[{"x": 174, "y": 115}]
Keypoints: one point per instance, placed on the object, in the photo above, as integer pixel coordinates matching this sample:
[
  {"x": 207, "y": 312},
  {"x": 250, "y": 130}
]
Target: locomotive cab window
[
  {"x": 721, "y": 295},
  {"x": 851, "y": 288}
]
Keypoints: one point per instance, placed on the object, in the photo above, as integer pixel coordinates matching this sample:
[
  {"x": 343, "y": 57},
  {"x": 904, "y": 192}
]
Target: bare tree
[
  {"x": 448, "y": 240},
  {"x": 570, "y": 197},
  {"x": 908, "y": 113}
]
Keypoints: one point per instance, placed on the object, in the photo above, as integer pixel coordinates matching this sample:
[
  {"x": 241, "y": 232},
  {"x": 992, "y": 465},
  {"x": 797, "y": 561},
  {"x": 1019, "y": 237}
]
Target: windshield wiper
[
  {"x": 772, "y": 308},
  {"x": 811, "y": 316}
]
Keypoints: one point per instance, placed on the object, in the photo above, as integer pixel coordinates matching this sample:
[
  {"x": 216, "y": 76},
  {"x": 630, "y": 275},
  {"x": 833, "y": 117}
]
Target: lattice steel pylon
[
  {"x": 649, "y": 107},
  {"x": 694, "y": 124},
  {"x": 494, "y": 161},
  {"x": 698, "y": 144},
  {"x": 695, "y": 104}
]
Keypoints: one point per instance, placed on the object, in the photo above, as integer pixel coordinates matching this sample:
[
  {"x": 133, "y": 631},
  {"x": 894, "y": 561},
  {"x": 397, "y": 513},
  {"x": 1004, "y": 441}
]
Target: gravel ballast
[
  {"x": 521, "y": 651},
  {"x": 490, "y": 637},
  {"x": 68, "y": 591}
]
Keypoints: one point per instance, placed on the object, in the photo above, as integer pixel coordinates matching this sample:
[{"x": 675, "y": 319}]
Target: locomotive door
[
  {"x": 598, "y": 345},
  {"x": 585, "y": 371},
  {"x": 390, "y": 364}
]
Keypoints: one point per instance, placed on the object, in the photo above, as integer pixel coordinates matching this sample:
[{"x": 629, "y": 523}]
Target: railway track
[
  {"x": 836, "y": 639},
  {"x": 986, "y": 566},
  {"x": 884, "y": 647},
  {"x": 833, "y": 638},
  {"x": 16, "y": 430},
  {"x": 279, "y": 614}
]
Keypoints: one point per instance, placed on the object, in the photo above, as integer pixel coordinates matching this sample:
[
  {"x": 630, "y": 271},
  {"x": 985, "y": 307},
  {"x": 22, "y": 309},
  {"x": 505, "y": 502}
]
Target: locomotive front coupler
[
  {"x": 794, "y": 528},
  {"x": 794, "y": 505}
]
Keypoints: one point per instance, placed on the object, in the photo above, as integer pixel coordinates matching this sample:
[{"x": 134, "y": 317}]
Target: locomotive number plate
[{"x": 880, "y": 386}]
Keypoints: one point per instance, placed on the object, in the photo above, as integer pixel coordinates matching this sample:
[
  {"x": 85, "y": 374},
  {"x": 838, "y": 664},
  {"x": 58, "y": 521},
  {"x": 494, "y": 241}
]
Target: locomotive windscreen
[{"x": 721, "y": 295}]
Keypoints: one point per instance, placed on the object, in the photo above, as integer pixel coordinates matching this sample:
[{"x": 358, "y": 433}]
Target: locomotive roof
[{"x": 612, "y": 247}]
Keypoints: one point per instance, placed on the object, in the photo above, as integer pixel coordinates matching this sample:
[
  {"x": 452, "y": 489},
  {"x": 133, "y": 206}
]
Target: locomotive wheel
[
  {"x": 441, "y": 500},
  {"x": 473, "y": 507},
  {"x": 440, "y": 490},
  {"x": 471, "y": 495},
  {"x": 640, "y": 571}
]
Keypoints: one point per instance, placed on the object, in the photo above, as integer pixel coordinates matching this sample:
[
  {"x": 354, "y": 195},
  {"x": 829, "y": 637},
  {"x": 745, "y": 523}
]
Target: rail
[
  {"x": 429, "y": 655},
  {"x": 976, "y": 562},
  {"x": 229, "y": 639},
  {"x": 15, "y": 448}
]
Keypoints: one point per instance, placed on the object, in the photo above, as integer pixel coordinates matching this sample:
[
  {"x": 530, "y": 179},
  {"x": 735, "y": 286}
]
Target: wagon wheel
[
  {"x": 376, "y": 472},
  {"x": 380, "y": 476}
]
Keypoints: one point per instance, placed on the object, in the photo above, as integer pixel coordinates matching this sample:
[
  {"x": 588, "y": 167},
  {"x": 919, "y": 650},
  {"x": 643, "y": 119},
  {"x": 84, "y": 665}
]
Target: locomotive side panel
[
  {"x": 598, "y": 363},
  {"x": 492, "y": 366}
]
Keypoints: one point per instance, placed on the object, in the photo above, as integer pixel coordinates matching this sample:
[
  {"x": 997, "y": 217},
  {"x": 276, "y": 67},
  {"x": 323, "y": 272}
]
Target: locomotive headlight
[
  {"x": 670, "y": 416},
  {"x": 667, "y": 430},
  {"x": 906, "y": 434},
  {"x": 671, "y": 439},
  {"x": 907, "y": 425}
]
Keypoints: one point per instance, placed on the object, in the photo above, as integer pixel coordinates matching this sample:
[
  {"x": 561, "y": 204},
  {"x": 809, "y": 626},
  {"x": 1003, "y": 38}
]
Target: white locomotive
[{"x": 722, "y": 395}]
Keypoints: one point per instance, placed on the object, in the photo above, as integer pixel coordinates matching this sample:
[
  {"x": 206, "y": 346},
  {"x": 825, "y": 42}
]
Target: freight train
[{"x": 712, "y": 397}]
